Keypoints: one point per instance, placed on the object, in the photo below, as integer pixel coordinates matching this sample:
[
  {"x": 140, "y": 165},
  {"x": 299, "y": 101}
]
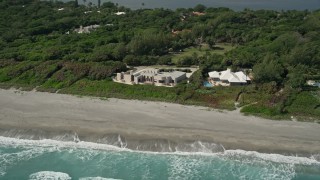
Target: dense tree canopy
[
  {"x": 37, "y": 30},
  {"x": 269, "y": 70}
]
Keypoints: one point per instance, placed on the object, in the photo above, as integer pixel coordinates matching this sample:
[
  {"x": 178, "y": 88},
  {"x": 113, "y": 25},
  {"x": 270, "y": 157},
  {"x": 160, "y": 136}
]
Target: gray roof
[
  {"x": 155, "y": 72},
  {"x": 177, "y": 74}
]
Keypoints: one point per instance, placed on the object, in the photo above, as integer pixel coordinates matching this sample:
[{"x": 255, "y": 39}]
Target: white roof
[
  {"x": 95, "y": 26},
  {"x": 214, "y": 74},
  {"x": 313, "y": 83},
  {"x": 242, "y": 76},
  {"x": 120, "y": 13},
  {"x": 227, "y": 75},
  {"x": 234, "y": 79}
]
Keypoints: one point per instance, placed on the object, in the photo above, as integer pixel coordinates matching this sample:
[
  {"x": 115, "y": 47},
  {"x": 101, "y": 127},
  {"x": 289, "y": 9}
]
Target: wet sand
[{"x": 142, "y": 121}]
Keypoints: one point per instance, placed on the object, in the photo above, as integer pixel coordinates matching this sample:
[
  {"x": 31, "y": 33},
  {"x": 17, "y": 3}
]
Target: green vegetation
[
  {"x": 306, "y": 104},
  {"x": 304, "y": 107},
  {"x": 195, "y": 52},
  {"x": 280, "y": 50},
  {"x": 180, "y": 94}
]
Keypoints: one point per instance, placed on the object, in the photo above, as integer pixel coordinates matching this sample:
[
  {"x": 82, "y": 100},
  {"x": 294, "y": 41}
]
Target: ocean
[
  {"x": 233, "y": 4},
  {"x": 65, "y": 160}
]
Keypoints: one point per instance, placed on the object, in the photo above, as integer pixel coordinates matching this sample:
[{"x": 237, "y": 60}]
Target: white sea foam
[
  {"x": 183, "y": 168},
  {"x": 273, "y": 157},
  {"x": 270, "y": 166},
  {"x": 55, "y": 145},
  {"x": 97, "y": 178},
  {"x": 13, "y": 142},
  {"x": 268, "y": 170},
  {"x": 198, "y": 146},
  {"x": 10, "y": 159},
  {"x": 49, "y": 175}
]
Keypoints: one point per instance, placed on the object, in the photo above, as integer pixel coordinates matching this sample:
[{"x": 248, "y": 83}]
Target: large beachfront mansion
[
  {"x": 228, "y": 78},
  {"x": 151, "y": 76}
]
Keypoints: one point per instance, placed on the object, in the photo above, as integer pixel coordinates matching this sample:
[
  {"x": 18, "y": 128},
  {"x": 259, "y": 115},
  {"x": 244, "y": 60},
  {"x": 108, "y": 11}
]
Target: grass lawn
[{"x": 220, "y": 48}]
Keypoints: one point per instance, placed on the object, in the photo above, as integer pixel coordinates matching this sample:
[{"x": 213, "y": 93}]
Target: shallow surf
[{"x": 54, "y": 159}]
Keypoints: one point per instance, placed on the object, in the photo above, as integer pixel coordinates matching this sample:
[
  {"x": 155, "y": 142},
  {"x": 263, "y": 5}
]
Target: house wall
[
  {"x": 127, "y": 77},
  {"x": 119, "y": 76},
  {"x": 180, "y": 78},
  {"x": 237, "y": 84},
  {"x": 159, "y": 78},
  {"x": 150, "y": 76},
  {"x": 148, "y": 79},
  {"x": 168, "y": 80},
  {"x": 138, "y": 79}
]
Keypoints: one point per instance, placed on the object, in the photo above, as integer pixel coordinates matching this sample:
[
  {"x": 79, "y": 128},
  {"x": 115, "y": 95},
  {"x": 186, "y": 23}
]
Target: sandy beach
[{"x": 140, "y": 121}]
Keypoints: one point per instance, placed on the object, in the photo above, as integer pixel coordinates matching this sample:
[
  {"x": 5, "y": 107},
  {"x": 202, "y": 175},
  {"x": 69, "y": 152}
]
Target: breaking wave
[
  {"x": 97, "y": 178},
  {"x": 195, "y": 148},
  {"x": 182, "y": 161},
  {"x": 49, "y": 175},
  {"x": 117, "y": 141}
]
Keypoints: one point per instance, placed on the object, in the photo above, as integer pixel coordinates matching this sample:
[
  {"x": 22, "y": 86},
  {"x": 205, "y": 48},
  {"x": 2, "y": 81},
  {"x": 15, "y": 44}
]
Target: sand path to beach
[{"x": 142, "y": 120}]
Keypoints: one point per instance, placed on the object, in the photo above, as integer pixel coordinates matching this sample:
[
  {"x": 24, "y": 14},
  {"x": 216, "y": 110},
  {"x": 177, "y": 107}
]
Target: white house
[
  {"x": 86, "y": 29},
  {"x": 228, "y": 78},
  {"x": 151, "y": 76},
  {"x": 120, "y": 13},
  {"x": 313, "y": 83}
]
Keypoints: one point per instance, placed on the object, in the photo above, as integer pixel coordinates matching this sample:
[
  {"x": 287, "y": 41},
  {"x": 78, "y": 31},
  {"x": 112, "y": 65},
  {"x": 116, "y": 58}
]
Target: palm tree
[{"x": 244, "y": 90}]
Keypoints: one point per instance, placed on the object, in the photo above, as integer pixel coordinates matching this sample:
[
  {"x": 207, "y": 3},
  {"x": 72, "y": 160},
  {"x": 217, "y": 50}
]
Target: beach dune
[{"x": 136, "y": 122}]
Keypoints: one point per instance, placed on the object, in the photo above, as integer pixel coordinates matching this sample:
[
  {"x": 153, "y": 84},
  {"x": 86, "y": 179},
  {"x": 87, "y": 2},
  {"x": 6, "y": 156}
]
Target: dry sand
[{"x": 152, "y": 121}]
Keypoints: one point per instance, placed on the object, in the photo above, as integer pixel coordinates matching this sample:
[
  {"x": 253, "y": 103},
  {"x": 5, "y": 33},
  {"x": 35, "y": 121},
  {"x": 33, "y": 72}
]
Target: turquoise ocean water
[{"x": 60, "y": 160}]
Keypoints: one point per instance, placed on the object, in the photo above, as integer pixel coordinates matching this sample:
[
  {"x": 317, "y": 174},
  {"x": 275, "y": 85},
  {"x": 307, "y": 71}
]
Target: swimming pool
[{"x": 207, "y": 84}]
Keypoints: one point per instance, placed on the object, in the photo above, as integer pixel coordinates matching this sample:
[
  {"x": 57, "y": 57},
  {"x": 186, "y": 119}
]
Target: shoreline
[{"x": 148, "y": 124}]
